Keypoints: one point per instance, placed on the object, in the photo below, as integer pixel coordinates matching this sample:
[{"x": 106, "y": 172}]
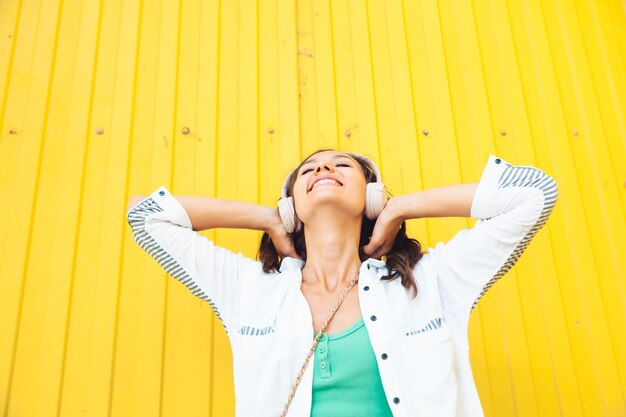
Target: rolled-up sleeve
[
  {"x": 162, "y": 228},
  {"x": 512, "y": 204}
]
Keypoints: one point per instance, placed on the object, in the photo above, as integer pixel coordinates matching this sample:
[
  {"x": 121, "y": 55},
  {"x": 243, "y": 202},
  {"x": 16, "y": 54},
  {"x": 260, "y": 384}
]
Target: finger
[
  {"x": 374, "y": 244},
  {"x": 370, "y": 248},
  {"x": 382, "y": 251},
  {"x": 375, "y": 252},
  {"x": 292, "y": 251}
]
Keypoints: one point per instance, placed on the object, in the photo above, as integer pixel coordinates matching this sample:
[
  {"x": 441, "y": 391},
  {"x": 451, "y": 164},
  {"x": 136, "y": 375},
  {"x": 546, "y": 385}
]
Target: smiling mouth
[{"x": 326, "y": 181}]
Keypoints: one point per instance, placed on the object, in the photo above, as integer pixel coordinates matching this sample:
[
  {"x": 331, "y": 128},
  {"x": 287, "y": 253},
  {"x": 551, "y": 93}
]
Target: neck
[{"x": 332, "y": 253}]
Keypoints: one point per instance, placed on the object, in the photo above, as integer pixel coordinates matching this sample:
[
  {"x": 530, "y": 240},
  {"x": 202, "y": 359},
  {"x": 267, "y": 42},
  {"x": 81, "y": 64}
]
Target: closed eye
[{"x": 341, "y": 164}]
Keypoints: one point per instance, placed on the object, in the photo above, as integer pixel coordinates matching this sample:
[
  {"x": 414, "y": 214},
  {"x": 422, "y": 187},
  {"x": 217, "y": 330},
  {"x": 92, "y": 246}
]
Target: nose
[{"x": 326, "y": 167}]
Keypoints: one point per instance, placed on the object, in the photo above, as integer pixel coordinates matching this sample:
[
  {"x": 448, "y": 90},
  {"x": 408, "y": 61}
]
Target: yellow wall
[{"x": 91, "y": 326}]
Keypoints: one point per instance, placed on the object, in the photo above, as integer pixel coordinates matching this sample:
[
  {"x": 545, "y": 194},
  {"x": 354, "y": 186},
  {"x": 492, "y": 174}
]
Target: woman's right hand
[{"x": 282, "y": 240}]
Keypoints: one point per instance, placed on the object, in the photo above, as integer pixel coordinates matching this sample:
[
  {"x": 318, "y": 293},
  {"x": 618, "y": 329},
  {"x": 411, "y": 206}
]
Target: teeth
[{"x": 326, "y": 181}]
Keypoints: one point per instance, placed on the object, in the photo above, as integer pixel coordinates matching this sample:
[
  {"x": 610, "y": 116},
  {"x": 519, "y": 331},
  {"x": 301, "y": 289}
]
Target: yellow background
[{"x": 94, "y": 100}]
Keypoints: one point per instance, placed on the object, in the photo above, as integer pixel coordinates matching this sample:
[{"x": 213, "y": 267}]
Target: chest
[{"x": 322, "y": 304}]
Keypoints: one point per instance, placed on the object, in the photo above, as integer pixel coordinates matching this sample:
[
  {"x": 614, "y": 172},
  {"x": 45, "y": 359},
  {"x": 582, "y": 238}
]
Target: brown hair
[{"x": 404, "y": 254}]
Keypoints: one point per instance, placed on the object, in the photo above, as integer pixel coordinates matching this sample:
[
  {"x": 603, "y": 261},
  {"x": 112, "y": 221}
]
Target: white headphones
[{"x": 375, "y": 198}]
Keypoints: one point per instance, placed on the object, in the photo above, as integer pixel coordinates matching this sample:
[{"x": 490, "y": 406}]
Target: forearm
[
  {"x": 447, "y": 201},
  {"x": 209, "y": 213}
]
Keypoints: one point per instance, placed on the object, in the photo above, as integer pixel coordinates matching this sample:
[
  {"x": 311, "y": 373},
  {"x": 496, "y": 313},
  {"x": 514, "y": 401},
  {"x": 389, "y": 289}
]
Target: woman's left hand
[{"x": 385, "y": 230}]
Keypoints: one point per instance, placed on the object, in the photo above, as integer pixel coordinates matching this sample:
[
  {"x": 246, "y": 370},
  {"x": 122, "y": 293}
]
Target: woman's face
[{"x": 329, "y": 178}]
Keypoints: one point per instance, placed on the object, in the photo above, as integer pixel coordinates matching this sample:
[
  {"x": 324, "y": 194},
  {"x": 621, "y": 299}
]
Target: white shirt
[{"x": 426, "y": 370}]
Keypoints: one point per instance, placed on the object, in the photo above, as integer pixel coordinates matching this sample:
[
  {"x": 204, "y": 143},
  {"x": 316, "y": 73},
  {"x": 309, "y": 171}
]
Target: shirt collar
[
  {"x": 290, "y": 263},
  {"x": 376, "y": 263}
]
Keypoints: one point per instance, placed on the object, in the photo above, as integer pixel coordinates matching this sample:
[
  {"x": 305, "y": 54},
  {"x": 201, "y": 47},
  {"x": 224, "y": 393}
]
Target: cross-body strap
[{"x": 317, "y": 338}]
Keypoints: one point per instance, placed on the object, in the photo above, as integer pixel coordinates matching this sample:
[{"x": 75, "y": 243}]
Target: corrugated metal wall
[{"x": 102, "y": 100}]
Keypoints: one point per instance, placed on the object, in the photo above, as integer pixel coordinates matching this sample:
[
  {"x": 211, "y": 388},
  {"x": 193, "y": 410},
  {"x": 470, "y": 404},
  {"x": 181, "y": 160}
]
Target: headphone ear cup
[
  {"x": 375, "y": 199},
  {"x": 298, "y": 223},
  {"x": 287, "y": 215}
]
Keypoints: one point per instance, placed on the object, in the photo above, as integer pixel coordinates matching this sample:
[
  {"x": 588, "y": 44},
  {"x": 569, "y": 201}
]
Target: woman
[{"x": 397, "y": 344}]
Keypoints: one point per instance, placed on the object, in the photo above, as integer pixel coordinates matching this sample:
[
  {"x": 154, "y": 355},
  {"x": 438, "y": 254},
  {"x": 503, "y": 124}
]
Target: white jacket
[{"x": 421, "y": 344}]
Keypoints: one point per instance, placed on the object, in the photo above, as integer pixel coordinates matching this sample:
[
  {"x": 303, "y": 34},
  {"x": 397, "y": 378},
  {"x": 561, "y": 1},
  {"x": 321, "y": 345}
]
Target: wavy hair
[{"x": 404, "y": 254}]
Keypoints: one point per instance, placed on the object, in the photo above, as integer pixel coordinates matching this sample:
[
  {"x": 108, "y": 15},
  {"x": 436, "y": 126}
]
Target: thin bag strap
[{"x": 317, "y": 338}]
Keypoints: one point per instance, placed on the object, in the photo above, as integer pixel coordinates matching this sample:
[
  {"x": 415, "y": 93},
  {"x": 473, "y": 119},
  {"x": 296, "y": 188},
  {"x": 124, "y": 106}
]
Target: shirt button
[
  {"x": 323, "y": 365},
  {"x": 161, "y": 192},
  {"x": 384, "y": 356},
  {"x": 366, "y": 288},
  {"x": 322, "y": 349},
  {"x": 498, "y": 161},
  {"x": 323, "y": 338},
  {"x": 396, "y": 400},
  {"x": 373, "y": 318}
]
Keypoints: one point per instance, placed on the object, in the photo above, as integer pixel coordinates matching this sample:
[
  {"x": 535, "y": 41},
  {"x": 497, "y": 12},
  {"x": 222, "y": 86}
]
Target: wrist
[
  {"x": 271, "y": 219},
  {"x": 400, "y": 207}
]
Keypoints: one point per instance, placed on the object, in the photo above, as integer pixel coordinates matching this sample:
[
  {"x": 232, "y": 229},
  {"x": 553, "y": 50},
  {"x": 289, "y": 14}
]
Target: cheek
[
  {"x": 298, "y": 193},
  {"x": 299, "y": 188}
]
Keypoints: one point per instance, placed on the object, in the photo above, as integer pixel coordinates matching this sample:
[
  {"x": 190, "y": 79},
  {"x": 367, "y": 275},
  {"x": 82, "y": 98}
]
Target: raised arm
[
  {"x": 512, "y": 203},
  {"x": 210, "y": 213},
  {"x": 164, "y": 226},
  {"x": 447, "y": 201}
]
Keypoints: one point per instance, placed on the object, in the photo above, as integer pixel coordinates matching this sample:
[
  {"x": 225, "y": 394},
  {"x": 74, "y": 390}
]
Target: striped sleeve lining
[
  {"x": 523, "y": 176},
  {"x": 137, "y": 221}
]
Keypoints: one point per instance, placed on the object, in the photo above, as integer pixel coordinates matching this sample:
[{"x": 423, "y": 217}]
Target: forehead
[{"x": 327, "y": 154}]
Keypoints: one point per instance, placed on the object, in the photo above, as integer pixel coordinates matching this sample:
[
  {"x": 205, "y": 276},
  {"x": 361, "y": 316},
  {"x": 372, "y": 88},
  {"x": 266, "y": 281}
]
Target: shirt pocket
[
  {"x": 426, "y": 334},
  {"x": 428, "y": 339},
  {"x": 253, "y": 345},
  {"x": 251, "y": 324},
  {"x": 430, "y": 368},
  {"x": 254, "y": 329}
]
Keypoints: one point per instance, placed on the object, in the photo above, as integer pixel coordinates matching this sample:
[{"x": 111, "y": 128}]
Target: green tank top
[{"x": 346, "y": 381}]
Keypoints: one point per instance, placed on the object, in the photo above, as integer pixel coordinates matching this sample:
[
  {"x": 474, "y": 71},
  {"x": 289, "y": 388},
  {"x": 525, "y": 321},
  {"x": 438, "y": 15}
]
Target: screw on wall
[
  {"x": 425, "y": 132},
  {"x": 348, "y": 133},
  {"x": 185, "y": 130},
  {"x": 503, "y": 132},
  {"x": 12, "y": 132},
  {"x": 99, "y": 131},
  {"x": 270, "y": 130},
  {"x": 575, "y": 132},
  {"x": 305, "y": 52}
]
